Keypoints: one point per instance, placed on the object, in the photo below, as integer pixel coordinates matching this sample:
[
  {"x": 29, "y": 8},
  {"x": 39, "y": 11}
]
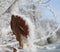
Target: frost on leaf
[{"x": 19, "y": 28}]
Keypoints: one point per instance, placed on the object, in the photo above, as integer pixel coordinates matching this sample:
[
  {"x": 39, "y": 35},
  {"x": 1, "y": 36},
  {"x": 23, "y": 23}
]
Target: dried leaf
[{"x": 19, "y": 27}]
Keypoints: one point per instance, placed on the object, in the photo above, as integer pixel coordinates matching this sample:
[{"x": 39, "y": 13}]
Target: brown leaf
[{"x": 19, "y": 27}]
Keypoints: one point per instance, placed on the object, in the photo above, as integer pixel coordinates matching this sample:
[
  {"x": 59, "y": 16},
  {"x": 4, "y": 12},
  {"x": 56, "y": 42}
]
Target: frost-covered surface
[
  {"x": 5, "y": 4},
  {"x": 44, "y": 28}
]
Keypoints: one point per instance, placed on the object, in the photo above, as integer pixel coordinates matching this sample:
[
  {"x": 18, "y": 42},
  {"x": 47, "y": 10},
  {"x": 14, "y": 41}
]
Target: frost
[{"x": 47, "y": 32}]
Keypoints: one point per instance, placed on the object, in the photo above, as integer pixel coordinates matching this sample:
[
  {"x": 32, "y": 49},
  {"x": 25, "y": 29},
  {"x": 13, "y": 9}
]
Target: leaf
[{"x": 19, "y": 27}]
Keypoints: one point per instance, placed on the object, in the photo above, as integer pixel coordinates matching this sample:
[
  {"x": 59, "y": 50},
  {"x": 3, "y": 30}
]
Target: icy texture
[
  {"x": 46, "y": 31},
  {"x": 5, "y": 4}
]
